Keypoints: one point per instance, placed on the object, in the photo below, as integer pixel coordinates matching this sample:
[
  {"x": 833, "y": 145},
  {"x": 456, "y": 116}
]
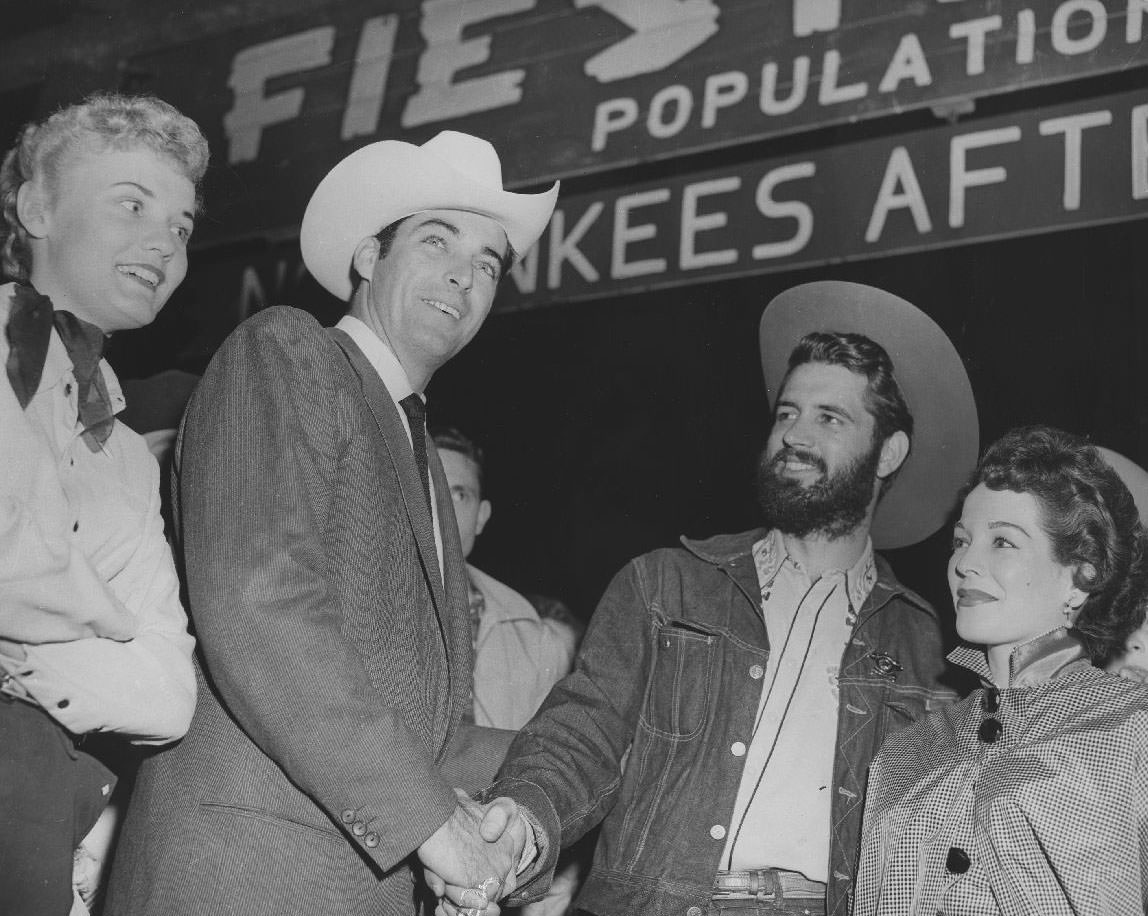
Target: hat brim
[
  {"x": 390, "y": 180},
  {"x": 1134, "y": 477},
  {"x": 933, "y": 380}
]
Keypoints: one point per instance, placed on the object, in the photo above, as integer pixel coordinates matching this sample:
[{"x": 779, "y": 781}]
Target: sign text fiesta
[{"x": 664, "y": 31}]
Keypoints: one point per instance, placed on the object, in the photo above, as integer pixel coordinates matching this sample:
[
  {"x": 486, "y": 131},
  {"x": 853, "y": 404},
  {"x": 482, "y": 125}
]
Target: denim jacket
[{"x": 639, "y": 736}]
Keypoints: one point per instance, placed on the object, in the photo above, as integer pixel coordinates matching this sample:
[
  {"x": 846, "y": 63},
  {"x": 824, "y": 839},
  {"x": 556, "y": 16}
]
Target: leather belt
[{"x": 766, "y": 883}]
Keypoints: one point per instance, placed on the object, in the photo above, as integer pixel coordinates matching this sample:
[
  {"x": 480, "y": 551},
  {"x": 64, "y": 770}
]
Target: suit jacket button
[
  {"x": 348, "y": 816},
  {"x": 372, "y": 840},
  {"x": 358, "y": 828}
]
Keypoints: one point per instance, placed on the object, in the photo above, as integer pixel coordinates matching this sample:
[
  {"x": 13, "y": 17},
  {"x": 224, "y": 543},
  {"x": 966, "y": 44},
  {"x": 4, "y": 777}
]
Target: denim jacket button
[
  {"x": 756, "y": 672},
  {"x": 717, "y": 831},
  {"x": 694, "y": 911},
  {"x": 737, "y": 749}
]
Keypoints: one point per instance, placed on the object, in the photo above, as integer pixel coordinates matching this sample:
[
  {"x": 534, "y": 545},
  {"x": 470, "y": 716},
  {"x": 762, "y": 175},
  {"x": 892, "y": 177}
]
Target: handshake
[{"x": 473, "y": 859}]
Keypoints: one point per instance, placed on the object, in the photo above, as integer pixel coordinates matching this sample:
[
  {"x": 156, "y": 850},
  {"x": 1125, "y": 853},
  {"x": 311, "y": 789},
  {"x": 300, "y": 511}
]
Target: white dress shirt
[{"x": 383, "y": 360}]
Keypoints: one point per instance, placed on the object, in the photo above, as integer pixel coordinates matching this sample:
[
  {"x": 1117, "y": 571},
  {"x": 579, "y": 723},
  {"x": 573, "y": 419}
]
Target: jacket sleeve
[
  {"x": 259, "y": 457},
  {"x": 565, "y": 767},
  {"x": 144, "y": 687}
]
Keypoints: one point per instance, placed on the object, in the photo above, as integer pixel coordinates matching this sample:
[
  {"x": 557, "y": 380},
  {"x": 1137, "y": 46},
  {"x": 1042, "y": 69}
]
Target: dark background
[{"x": 614, "y": 426}]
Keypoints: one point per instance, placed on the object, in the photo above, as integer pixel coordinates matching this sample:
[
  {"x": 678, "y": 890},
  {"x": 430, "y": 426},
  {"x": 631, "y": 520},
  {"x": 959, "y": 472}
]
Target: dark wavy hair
[
  {"x": 1091, "y": 519},
  {"x": 102, "y": 121},
  {"x": 866, "y": 357},
  {"x": 455, "y": 440}
]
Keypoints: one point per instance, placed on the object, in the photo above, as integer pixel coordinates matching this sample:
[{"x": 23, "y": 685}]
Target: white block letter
[
  {"x": 1140, "y": 152},
  {"x": 722, "y": 90},
  {"x": 899, "y": 189},
  {"x": 830, "y": 92},
  {"x": 439, "y": 97},
  {"x": 252, "y": 67},
  {"x": 1063, "y": 42},
  {"x": 793, "y": 209},
  {"x": 369, "y": 78},
  {"x": 908, "y": 63},
  {"x": 566, "y": 249},
  {"x": 610, "y": 116},
  {"x": 973, "y": 32},
  {"x": 683, "y": 103},
  {"x": 692, "y": 224},
  {"x": 1072, "y": 127},
  {"x": 960, "y": 178},
  {"x": 624, "y": 233},
  {"x": 770, "y": 103},
  {"x": 1134, "y": 21}
]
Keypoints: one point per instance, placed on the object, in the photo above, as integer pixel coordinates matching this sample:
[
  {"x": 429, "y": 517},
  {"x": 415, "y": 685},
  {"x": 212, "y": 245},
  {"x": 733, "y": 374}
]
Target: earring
[{"x": 1067, "y": 610}]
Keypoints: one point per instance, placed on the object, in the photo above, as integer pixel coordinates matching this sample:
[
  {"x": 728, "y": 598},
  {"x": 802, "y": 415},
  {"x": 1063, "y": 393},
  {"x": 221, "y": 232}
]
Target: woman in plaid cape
[{"x": 1031, "y": 795}]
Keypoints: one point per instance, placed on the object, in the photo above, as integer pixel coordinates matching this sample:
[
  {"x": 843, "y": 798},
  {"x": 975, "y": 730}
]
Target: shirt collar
[
  {"x": 770, "y": 555},
  {"x": 1045, "y": 658},
  {"x": 381, "y": 357},
  {"x": 503, "y": 604}
]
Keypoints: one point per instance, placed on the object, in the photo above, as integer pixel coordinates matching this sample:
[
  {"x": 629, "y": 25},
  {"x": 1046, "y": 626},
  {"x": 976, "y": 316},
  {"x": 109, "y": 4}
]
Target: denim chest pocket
[
  {"x": 889, "y": 705},
  {"x": 678, "y": 691}
]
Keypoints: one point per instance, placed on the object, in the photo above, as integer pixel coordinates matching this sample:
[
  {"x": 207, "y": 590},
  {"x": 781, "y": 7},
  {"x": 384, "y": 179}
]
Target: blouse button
[
  {"x": 990, "y": 730},
  {"x": 958, "y": 861}
]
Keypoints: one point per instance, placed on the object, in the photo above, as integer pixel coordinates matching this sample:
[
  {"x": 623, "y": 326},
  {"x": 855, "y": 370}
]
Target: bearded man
[{"x": 730, "y": 693}]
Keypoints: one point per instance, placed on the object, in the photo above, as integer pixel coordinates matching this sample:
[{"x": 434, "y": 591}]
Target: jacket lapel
[{"x": 386, "y": 414}]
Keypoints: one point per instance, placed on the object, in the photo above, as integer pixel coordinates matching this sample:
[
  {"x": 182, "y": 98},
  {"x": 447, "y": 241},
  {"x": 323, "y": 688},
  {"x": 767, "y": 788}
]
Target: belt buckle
[{"x": 764, "y": 887}]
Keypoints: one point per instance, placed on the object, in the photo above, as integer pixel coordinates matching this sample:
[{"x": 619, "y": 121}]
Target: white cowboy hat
[
  {"x": 386, "y": 181},
  {"x": 932, "y": 378}
]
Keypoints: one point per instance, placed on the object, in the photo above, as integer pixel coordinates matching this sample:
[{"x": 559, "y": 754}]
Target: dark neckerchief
[{"x": 29, "y": 332}]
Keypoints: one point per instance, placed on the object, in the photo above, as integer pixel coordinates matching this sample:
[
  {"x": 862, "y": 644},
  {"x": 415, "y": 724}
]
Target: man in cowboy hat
[
  {"x": 324, "y": 571},
  {"x": 731, "y": 692}
]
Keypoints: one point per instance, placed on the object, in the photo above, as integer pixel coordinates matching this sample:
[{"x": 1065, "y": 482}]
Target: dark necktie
[
  {"x": 416, "y": 413},
  {"x": 29, "y": 332}
]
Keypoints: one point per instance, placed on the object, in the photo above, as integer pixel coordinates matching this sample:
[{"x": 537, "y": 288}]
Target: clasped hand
[{"x": 472, "y": 860}]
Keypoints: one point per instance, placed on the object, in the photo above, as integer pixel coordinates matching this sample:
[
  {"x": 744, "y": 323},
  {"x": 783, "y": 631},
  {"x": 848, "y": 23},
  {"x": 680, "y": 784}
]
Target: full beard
[{"x": 833, "y": 507}]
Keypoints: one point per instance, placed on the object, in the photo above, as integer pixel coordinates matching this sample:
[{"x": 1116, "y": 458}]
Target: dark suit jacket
[{"x": 334, "y": 665}]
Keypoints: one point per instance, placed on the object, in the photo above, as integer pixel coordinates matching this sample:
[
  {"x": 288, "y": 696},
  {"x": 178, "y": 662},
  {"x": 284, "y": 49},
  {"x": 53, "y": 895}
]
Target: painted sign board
[
  {"x": 1042, "y": 170},
  {"x": 566, "y": 87}
]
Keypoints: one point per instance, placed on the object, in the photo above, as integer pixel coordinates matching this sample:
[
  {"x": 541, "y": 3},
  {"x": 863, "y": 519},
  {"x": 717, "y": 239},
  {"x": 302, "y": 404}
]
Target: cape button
[{"x": 958, "y": 861}]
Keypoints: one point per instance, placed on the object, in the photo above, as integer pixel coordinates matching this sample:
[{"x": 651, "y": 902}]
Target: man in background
[{"x": 518, "y": 654}]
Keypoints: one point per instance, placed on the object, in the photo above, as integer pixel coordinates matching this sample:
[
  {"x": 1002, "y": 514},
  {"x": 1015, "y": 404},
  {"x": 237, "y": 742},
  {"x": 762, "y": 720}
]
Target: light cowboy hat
[
  {"x": 1134, "y": 477},
  {"x": 388, "y": 180},
  {"x": 933, "y": 381}
]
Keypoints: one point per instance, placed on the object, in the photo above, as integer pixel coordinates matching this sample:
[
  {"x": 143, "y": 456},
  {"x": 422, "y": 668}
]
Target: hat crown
[{"x": 468, "y": 155}]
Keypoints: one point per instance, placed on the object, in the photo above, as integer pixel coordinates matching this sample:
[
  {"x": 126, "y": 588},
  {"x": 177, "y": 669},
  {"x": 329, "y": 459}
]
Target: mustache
[{"x": 801, "y": 455}]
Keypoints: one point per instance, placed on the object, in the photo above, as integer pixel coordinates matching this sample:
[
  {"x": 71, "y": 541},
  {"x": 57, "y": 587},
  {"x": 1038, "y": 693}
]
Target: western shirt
[
  {"x": 91, "y": 625},
  {"x": 781, "y": 817}
]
